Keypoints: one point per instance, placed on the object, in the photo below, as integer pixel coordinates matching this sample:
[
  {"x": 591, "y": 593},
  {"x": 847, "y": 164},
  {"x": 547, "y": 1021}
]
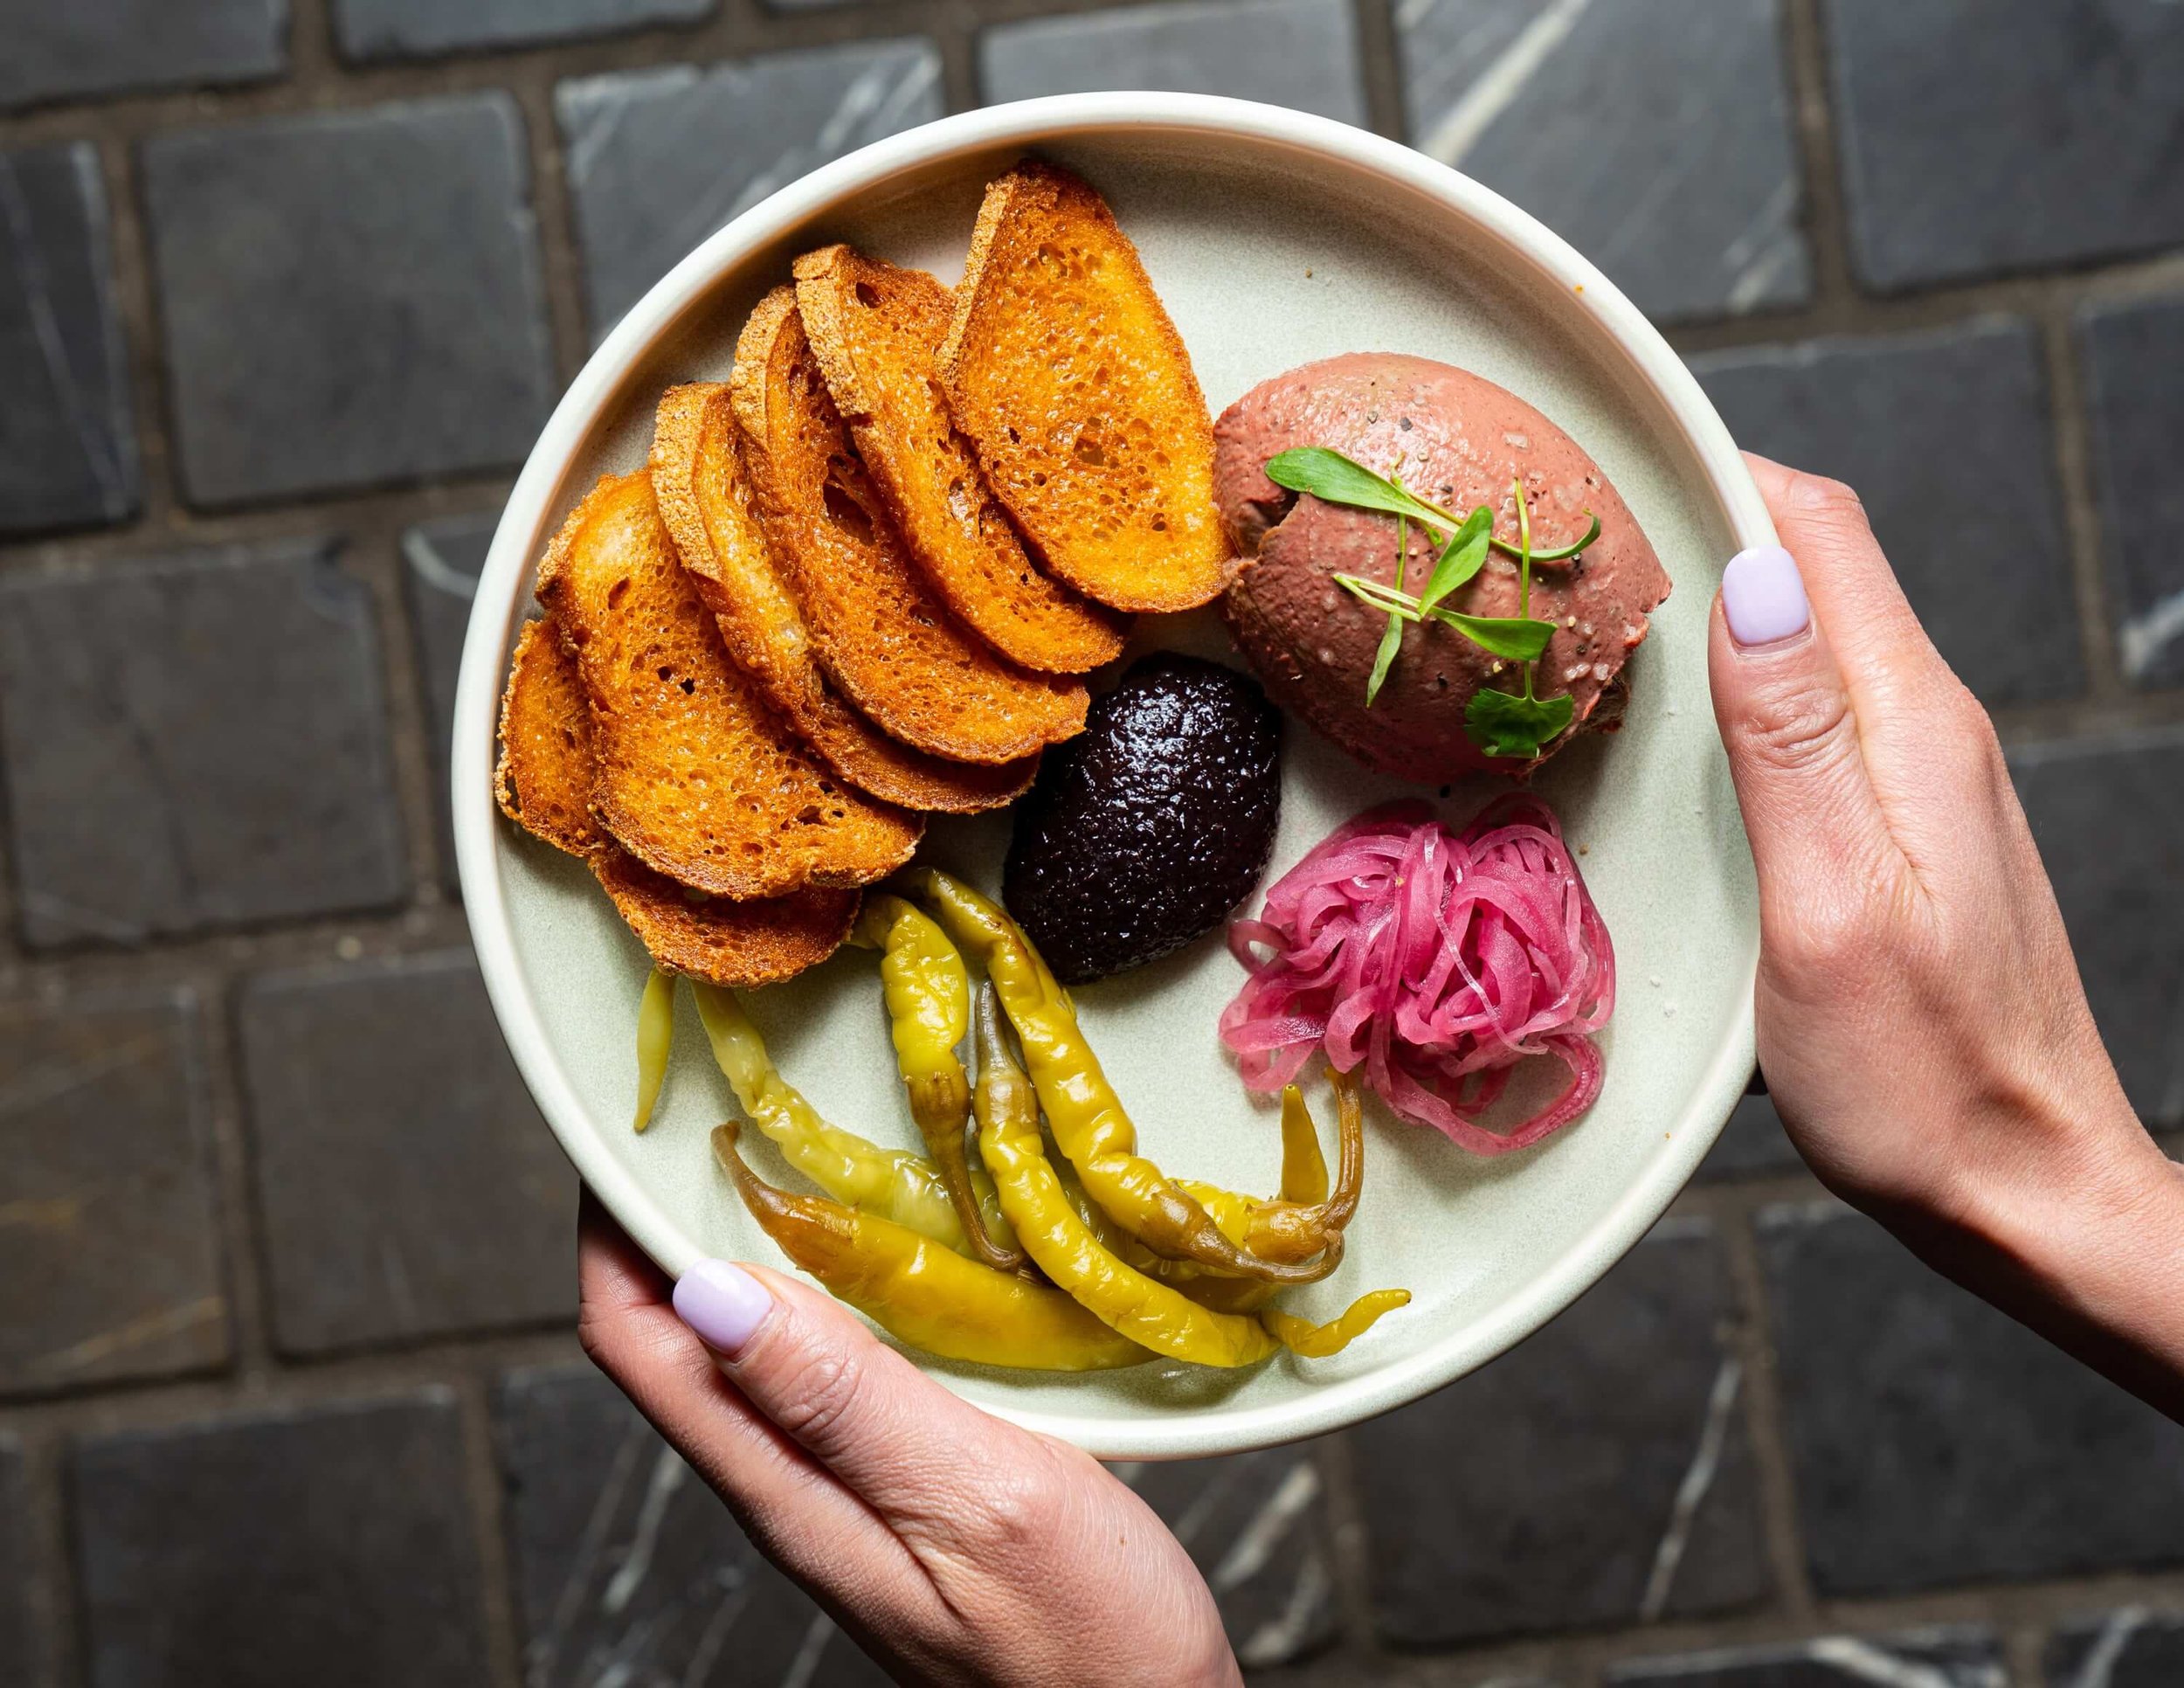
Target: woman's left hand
[{"x": 955, "y": 1547}]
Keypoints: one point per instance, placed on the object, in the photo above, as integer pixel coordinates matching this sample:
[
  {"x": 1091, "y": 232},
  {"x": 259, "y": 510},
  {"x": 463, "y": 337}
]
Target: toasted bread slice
[
  {"x": 875, "y": 330},
  {"x": 543, "y": 782},
  {"x": 705, "y": 500},
  {"x": 1062, "y": 368},
  {"x": 735, "y": 945},
  {"x": 543, "y": 779},
  {"x": 881, "y": 633},
  {"x": 694, "y": 774}
]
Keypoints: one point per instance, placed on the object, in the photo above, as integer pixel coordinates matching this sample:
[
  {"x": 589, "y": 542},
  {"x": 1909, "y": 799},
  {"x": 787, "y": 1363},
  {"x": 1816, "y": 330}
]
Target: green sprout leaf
[
  {"x": 1503, "y": 725},
  {"x": 1561, "y": 553},
  {"x": 1384, "y": 659},
  {"x": 1519, "y": 639},
  {"x": 1329, "y": 476},
  {"x": 1391, "y": 635},
  {"x": 1463, "y": 557}
]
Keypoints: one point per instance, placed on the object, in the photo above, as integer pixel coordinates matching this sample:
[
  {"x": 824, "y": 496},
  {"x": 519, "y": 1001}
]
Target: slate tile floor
[{"x": 285, "y": 288}]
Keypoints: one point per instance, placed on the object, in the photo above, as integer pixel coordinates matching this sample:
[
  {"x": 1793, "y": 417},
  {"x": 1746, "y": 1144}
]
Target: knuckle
[
  {"x": 1817, "y": 496},
  {"x": 1824, "y": 946},
  {"x": 1798, "y": 725},
  {"x": 1015, "y": 1506},
  {"x": 818, "y": 1392}
]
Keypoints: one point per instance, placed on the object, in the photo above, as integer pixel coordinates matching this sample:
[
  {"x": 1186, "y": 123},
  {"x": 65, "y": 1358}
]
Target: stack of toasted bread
[{"x": 861, "y": 581}]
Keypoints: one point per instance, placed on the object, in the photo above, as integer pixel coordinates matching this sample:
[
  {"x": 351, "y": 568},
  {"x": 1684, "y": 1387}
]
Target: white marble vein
[
  {"x": 1267, "y": 1528},
  {"x": 1699, "y": 1477},
  {"x": 2147, "y": 636},
  {"x": 2099, "y": 1668},
  {"x": 1502, "y": 83}
]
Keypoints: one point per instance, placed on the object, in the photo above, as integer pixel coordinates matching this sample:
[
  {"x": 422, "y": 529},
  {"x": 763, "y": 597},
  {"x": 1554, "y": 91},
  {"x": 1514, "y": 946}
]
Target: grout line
[
  {"x": 1826, "y": 215},
  {"x": 955, "y": 27},
  {"x": 496, "y": 1571},
  {"x": 245, "y": 1261},
  {"x": 367, "y": 1374},
  {"x": 2072, "y": 421},
  {"x": 1348, "y": 1542},
  {"x": 49, "y": 1597},
  {"x": 554, "y": 216},
  {"x": 375, "y": 564},
  {"x": 1763, "y": 1407},
  {"x": 136, "y": 301},
  {"x": 1380, "y": 65}
]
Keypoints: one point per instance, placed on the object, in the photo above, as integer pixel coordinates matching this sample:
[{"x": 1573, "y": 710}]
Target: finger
[
  {"x": 1928, "y": 746},
  {"x": 1890, "y": 666},
  {"x": 1792, "y": 733},
  {"x": 915, "y": 1452},
  {"x": 782, "y": 1497}
]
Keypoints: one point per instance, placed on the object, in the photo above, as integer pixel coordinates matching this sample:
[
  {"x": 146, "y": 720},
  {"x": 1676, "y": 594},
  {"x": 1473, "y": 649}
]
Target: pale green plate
[{"x": 1274, "y": 239}]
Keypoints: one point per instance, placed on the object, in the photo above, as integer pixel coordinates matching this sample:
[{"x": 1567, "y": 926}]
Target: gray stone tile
[
  {"x": 1981, "y": 137},
  {"x": 1654, "y": 134},
  {"x": 659, "y": 159},
  {"x": 1599, "y": 1474},
  {"x": 58, "y": 49},
  {"x": 17, "y": 1659},
  {"x": 441, "y": 560},
  {"x": 1957, "y": 1657},
  {"x": 2108, "y": 815},
  {"x": 1752, "y": 1145},
  {"x": 109, "y": 1257},
  {"x": 406, "y": 1183},
  {"x": 418, "y": 29},
  {"x": 1257, "y": 1526},
  {"x": 193, "y": 741},
  {"x": 1936, "y": 1442},
  {"x": 67, "y": 434},
  {"x": 350, "y": 298},
  {"x": 629, "y": 1568},
  {"x": 2129, "y": 1648},
  {"x": 1302, "y": 53},
  {"x": 1946, "y": 437},
  {"x": 327, "y": 1544},
  {"x": 2134, "y": 374}
]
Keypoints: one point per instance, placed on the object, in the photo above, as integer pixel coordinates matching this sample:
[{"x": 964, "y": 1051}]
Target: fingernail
[
  {"x": 723, "y": 1304},
  {"x": 1764, "y": 597}
]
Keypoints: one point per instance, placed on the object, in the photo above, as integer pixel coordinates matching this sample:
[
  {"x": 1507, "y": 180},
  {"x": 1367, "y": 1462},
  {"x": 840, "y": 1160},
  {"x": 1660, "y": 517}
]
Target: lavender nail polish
[
  {"x": 723, "y": 1304},
  {"x": 1763, "y": 596}
]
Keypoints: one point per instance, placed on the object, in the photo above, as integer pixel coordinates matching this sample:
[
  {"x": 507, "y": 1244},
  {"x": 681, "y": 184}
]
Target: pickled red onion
[{"x": 1436, "y": 960}]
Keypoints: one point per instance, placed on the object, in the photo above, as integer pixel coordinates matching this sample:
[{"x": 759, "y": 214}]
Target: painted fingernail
[
  {"x": 1764, "y": 597},
  {"x": 723, "y": 1304}
]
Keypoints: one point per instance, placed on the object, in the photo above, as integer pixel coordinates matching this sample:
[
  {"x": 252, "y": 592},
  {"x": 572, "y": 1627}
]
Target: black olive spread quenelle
[{"x": 1144, "y": 831}]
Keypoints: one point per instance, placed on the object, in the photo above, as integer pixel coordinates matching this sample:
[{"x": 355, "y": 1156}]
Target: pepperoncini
[
  {"x": 1088, "y": 1121},
  {"x": 891, "y": 1183},
  {"x": 1148, "y": 1311},
  {"x": 922, "y": 1294},
  {"x": 929, "y": 1012}
]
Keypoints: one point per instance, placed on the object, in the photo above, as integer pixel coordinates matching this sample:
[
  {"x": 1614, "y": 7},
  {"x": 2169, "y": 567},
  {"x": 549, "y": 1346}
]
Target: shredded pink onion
[{"x": 1436, "y": 960}]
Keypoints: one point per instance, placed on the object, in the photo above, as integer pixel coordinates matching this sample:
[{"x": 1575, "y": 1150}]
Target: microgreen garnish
[
  {"x": 1500, "y": 723},
  {"x": 1392, "y": 635},
  {"x": 1503, "y": 724}
]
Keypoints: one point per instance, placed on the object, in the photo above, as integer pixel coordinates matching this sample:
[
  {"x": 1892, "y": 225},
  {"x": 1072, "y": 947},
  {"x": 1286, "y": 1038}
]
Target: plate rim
[{"x": 540, "y": 488}]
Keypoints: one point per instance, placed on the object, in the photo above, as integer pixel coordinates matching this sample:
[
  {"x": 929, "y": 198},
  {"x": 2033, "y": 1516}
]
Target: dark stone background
[{"x": 286, "y": 1391}]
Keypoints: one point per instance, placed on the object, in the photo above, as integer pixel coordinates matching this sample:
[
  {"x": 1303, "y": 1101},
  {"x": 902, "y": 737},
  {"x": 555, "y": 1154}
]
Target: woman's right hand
[{"x": 1921, "y": 1022}]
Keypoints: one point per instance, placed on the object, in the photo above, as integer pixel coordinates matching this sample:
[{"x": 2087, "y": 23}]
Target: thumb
[
  {"x": 884, "y": 1428},
  {"x": 1791, "y": 730}
]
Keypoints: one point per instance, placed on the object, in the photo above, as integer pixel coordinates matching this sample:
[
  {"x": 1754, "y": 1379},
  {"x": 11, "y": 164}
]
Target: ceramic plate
[{"x": 1274, "y": 239}]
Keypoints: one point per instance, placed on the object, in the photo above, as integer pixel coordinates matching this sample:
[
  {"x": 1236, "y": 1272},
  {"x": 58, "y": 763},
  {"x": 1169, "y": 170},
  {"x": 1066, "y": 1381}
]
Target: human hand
[
  {"x": 955, "y": 1547},
  {"x": 1921, "y": 1022}
]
